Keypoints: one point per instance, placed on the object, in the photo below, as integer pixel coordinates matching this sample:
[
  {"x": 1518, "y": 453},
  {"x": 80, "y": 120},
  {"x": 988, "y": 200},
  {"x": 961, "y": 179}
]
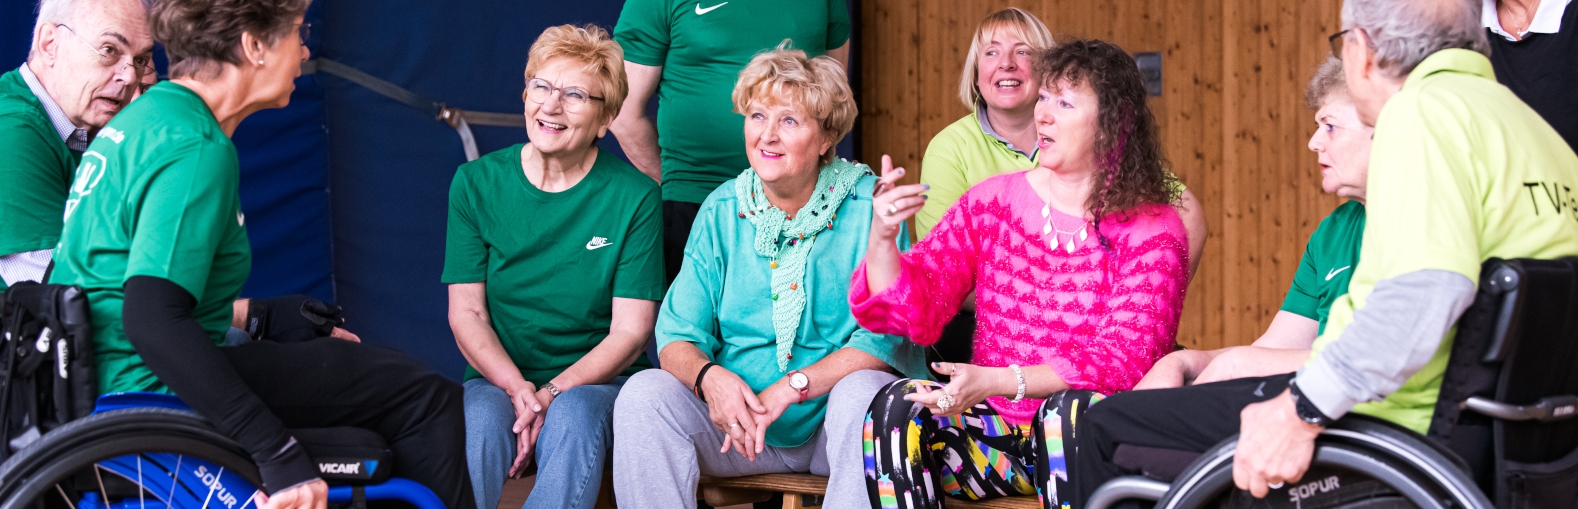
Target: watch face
[{"x": 799, "y": 381}]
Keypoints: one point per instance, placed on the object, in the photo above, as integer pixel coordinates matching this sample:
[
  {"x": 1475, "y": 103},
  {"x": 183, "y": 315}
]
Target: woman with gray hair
[
  {"x": 764, "y": 368},
  {"x": 1342, "y": 147},
  {"x": 155, "y": 236}
]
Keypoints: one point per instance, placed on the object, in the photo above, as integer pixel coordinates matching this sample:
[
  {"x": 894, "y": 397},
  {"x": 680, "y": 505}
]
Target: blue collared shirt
[{"x": 76, "y": 138}]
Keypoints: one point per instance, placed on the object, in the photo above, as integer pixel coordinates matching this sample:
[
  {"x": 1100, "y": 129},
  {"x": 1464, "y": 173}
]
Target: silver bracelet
[{"x": 1019, "y": 378}]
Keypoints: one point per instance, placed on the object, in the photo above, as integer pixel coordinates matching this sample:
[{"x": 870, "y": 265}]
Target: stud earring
[{"x": 260, "y": 62}]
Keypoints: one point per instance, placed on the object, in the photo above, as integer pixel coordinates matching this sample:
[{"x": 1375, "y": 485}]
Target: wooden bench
[{"x": 806, "y": 491}]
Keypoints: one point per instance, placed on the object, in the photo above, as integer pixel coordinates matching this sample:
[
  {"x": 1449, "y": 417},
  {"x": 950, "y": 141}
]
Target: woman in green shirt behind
[{"x": 764, "y": 368}]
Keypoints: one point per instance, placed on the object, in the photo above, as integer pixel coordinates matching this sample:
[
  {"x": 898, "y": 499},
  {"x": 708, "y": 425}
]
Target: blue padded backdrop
[{"x": 345, "y": 191}]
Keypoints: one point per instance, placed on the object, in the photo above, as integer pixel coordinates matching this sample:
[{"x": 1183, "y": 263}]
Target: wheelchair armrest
[
  {"x": 1125, "y": 488},
  {"x": 1548, "y": 409}
]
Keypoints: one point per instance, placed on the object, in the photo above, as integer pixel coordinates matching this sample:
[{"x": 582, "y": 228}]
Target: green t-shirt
[
  {"x": 1327, "y": 265},
  {"x": 1462, "y": 171},
  {"x": 958, "y": 158},
  {"x": 35, "y": 172},
  {"x": 554, "y": 262},
  {"x": 702, "y": 47},
  {"x": 155, "y": 195}
]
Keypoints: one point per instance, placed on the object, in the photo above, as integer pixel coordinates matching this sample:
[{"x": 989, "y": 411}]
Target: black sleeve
[{"x": 157, "y": 315}]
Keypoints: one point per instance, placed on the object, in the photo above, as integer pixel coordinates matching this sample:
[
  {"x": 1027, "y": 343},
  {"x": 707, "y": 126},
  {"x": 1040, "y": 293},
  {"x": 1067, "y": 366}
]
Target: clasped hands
[
  {"x": 531, "y": 409},
  {"x": 741, "y": 413}
]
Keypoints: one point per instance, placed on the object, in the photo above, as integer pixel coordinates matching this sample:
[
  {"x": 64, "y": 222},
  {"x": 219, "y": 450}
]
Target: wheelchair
[
  {"x": 1502, "y": 435},
  {"x": 138, "y": 450}
]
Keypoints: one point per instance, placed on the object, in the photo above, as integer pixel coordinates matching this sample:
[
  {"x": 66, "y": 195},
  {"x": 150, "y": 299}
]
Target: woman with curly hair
[{"x": 1079, "y": 267}]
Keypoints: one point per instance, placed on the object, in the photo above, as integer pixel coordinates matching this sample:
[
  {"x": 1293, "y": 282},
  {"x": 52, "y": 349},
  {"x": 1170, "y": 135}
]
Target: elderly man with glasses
[
  {"x": 89, "y": 58},
  {"x": 1461, "y": 171}
]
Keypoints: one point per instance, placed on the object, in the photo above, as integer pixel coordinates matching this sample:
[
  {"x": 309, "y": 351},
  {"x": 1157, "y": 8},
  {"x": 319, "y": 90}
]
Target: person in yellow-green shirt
[{"x": 1458, "y": 173}]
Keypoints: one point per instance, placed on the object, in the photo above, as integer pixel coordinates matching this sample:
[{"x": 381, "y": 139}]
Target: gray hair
[
  {"x": 1328, "y": 83},
  {"x": 1405, "y": 32},
  {"x": 55, "y": 11}
]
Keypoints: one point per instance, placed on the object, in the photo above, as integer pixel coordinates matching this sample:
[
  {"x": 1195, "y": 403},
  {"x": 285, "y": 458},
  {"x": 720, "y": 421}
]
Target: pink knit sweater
[{"x": 1100, "y": 319}]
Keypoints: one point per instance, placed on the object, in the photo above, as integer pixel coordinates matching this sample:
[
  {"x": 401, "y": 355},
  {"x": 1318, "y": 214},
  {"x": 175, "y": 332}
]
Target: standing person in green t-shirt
[
  {"x": 690, "y": 53},
  {"x": 86, "y": 62},
  {"x": 555, "y": 269},
  {"x": 155, "y": 236},
  {"x": 1342, "y": 144}
]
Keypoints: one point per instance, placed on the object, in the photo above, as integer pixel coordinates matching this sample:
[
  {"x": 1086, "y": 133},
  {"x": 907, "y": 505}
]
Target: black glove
[{"x": 291, "y": 319}]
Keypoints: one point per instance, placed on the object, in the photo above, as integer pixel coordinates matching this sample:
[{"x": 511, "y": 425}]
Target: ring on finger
[
  {"x": 733, "y": 425},
  {"x": 1275, "y": 485},
  {"x": 893, "y": 208},
  {"x": 945, "y": 401}
]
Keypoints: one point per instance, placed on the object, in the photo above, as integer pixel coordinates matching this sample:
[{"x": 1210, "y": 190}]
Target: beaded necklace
[{"x": 785, "y": 242}]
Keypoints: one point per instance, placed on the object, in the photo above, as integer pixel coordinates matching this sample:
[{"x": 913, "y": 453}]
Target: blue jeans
[{"x": 575, "y": 442}]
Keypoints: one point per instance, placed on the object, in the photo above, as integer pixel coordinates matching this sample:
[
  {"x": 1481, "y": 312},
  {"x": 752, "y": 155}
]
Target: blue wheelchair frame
[{"x": 225, "y": 488}]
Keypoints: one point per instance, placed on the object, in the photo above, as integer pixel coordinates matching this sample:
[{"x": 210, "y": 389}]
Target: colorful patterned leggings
[{"x": 913, "y": 456}]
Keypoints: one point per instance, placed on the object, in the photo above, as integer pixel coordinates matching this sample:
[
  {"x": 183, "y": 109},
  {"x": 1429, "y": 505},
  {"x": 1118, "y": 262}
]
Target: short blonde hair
[
  {"x": 592, "y": 46},
  {"x": 816, "y": 85},
  {"x": 1024, "y": 25}
]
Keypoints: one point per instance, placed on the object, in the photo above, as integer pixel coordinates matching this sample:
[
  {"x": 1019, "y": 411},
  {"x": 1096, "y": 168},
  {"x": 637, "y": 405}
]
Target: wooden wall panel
[{"x": 1232, "y": 116}]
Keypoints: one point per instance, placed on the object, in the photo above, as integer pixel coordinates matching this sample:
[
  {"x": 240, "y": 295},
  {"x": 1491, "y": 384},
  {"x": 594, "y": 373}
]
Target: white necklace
[{"x": 1078, "y": 234}]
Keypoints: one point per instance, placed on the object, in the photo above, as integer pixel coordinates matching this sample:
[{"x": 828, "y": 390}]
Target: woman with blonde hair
[
  {"x": 764, "y": 368},
  {"x": 554, "y": 266}
]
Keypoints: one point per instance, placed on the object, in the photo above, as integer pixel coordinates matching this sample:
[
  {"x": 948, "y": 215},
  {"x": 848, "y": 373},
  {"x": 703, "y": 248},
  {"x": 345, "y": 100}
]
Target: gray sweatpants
[{"x": 664, "y": 441}]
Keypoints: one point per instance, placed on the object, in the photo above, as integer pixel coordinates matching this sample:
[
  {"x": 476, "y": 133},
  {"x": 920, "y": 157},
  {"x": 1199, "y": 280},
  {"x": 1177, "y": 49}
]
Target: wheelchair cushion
[{"x": 347, "y": 455}]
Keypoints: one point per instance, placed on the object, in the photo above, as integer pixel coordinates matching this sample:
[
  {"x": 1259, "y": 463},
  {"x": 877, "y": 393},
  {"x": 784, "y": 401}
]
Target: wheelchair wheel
[
  {"x": 1359, "y": 463},
  {"x": 130, "y": 458}
]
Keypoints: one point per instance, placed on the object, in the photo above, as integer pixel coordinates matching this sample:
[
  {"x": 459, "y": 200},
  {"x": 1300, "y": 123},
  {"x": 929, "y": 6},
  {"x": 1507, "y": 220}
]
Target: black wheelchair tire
[
  {"x": 1425, "y": 475},
  {"x": 30, "y": 474}
]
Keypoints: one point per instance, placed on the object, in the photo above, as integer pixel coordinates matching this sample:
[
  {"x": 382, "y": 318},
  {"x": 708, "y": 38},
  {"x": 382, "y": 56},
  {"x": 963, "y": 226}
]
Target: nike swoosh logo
[
  {"x": 701, "y": 11},
  {"x": 592, "y": 244},
  {"x": 1335, "y": 272}
]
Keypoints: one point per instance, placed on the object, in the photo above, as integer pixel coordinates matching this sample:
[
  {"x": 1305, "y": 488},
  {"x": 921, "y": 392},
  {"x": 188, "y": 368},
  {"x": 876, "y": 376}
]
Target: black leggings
[
  {"x": 1188, "y": 420},
  {"x": 330, "y": 382},
  {"x": 912, "y": 455}
]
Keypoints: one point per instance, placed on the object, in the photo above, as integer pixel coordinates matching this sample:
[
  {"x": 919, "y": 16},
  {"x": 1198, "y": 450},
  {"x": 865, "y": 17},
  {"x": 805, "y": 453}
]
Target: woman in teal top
[
  {"x": 554, "y": 269},
  {"x": 764, "y": 368}
]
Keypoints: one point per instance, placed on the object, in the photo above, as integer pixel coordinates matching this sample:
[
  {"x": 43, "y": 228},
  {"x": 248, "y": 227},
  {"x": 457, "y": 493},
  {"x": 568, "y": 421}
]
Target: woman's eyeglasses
[{"x": 538, "y": 90}]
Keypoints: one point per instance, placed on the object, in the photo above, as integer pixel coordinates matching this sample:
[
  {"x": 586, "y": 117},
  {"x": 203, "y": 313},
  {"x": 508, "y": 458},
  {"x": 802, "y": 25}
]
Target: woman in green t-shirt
[
  {"x": 155, "y": 236},
  {"x": 764, "y": 368},
  {"x": 554, "y": 264}
]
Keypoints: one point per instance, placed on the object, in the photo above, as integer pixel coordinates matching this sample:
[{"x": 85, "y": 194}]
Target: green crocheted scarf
[{"x": 785, "y": 242}]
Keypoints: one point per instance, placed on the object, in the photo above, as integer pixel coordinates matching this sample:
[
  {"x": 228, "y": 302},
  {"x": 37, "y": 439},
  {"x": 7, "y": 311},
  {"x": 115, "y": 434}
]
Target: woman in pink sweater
[{"x": 1079, "y": 268}]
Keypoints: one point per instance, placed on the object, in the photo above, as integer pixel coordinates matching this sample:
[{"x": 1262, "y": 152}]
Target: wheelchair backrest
[
  {"x": 1507, "y": 396},
  {"x": 47, "y": 373}
]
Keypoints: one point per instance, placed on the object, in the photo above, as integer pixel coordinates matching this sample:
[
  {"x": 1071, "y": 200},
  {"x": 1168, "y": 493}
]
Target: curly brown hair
[
  {"x": 1130, "y": 168},
  {"x": 199, "y": 35}
]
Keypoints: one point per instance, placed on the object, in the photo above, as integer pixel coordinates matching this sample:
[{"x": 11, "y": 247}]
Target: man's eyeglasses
[
  {"x": 111, "y": 54},
  {"x": 538, "y": 90},
  {"x": 1336, "y": 40}
]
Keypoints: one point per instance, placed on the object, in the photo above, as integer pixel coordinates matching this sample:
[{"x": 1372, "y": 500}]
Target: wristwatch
[
  {"x": 553, "y": 390},
  {"x": 799, "y": 382},
  {"x": 1307, "y": 410}
]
